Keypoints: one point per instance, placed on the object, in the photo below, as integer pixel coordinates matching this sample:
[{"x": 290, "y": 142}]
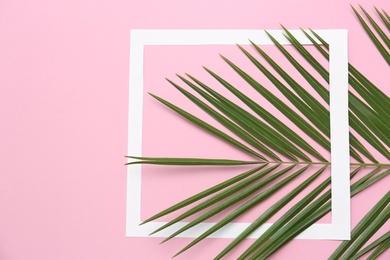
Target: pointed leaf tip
[
  {"x": 283, "y": 26},
  {"x": 178, "y": 253},
  {"x": 239, "y": 46},
  {"x": 154, "y": 232},
  {"x": 165, "y": 240},
  {"x": 204, "y": 67}
]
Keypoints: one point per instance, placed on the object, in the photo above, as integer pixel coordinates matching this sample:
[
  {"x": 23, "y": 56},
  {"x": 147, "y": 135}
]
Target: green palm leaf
[
  {"x": 209, "y": 128},
  {"x": 231, "y": 192},
  {"x": 252, "y": 125},
  {"x": 269, "y": 212},
  {"x": 385, "y": 19},
  {"x": 299, "y": 222},
  {"x": 360, "y": 110},
  {"x": 280, "y": 154},
  {"x": 265, "y": 115},
  {"x": 205, "y": 193},
  {"x": 378, "y": 29},
  {"x": 286, "y": 110},
  {"x": 233, "y": 127},
  {"x": 364, "y": 230},
  {"x": 248, "y": 205},
  {"x": 375, "y": 40},
  {"x": 381, "y": 240}
]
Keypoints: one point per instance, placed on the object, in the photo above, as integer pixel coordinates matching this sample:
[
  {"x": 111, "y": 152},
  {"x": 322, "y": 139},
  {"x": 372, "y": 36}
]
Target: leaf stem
[
  {"x": 305, "y": 163},
  {"x": 330, "y": 163},
  {"x": 371, "y": 164}
]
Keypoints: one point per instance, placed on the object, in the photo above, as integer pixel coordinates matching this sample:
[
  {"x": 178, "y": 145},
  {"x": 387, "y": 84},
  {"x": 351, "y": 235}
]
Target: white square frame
[{"x": 338, "y": 67}]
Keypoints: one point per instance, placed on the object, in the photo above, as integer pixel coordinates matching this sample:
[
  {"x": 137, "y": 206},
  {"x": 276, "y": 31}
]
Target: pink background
[{"x": 63, "y": 113}]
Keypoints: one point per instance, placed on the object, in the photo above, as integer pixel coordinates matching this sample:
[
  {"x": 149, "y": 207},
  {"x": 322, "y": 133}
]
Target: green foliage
[{"x": 267, "y": 139}]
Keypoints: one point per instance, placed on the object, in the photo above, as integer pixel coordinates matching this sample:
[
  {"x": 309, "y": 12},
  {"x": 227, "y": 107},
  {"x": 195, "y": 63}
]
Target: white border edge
[{"x": 337, "y": 39}]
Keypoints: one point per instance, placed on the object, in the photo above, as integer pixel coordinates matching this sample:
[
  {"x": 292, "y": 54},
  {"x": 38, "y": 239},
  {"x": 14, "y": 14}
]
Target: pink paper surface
[
  {"x": 167, "y": 134},
  {"x": 63, "y": 111}
]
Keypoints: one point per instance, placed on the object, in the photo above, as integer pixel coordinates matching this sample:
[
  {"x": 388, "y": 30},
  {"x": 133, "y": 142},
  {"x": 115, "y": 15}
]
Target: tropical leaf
[
  {"x": 374, "y": 219},
  {"x": 279, "y": 153},
  {"x": 385, "y": 53}
]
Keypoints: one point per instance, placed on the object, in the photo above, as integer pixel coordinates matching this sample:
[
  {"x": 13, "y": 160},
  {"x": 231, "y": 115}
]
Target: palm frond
[
  {"x": 266, "y": 116},
  {"x": 298, "y": 222},
  {"x": 209, "y": 128},
  {"x": 385, "y": 19},
  {"x": 374, "y": 219},
  {"x": 378, "y": 29},
  {"x": 251, "y": 124},
  {"x": 281, "y": 154},
  {"x": 379, "y": 250},
  {"x": 378, "y": 242},
  {"x": 188, "y": 161},
  {"x": 269, "y": 213},
  {"x": 239, "y": 190},
  {"x": 357, "y": 106},
  {"x": 375, "y": 40},
  {"x": 205, "y": 193}
]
